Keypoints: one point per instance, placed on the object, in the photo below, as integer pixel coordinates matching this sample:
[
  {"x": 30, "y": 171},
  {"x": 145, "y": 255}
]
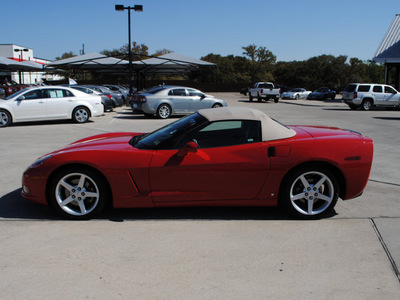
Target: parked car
[
  {"x": 322, "y": 94},
  {"x": 115, "y": 96},
  {"x": 49, "y": 103},
  {"x": 264, "y": 90},
  {"x": 216, "y": 157},
  {"x": 119, "y": 89},
  {"x": 10, "y": 87},
  {"x": 296, "y": 93},
  {"x": 367, "y": 95},
  {"x": 164, "y": 101},
  {"x": 2, "y": 93},
  {"x": 106, "y": 99}
]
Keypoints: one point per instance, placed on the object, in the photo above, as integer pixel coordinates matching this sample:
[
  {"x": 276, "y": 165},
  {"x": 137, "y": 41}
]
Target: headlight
[{"x": 40, "y": 161}]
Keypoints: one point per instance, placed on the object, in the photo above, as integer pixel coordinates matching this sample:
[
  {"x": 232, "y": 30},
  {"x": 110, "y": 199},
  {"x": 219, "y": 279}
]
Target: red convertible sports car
[{"x": 215, "y": 157}]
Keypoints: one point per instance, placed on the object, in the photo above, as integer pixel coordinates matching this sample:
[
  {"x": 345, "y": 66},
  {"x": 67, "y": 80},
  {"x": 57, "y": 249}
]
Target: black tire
[
  {"x": 297, "y": 97},
  {"x": 250, "y": 97},
  {"x": 259, "y": 99},
  {"x": 216, "y": 105},
  {"x": 78, "y": 193},
  {"x": 276, "y": 99},
  {"x": 367, "y": 104},
  {"x": 80, "y": 115},
  {"x": 309, "y": 202},
  {"x": 5, "y": 118},
  {"x": 164, "y": 111}
]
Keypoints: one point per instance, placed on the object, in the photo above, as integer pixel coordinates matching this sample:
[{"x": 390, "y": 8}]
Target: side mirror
[
  {"x": 202, "y": 96},
  {"x": 20, "y": 98},
  {"x": 188, "y": 147}
]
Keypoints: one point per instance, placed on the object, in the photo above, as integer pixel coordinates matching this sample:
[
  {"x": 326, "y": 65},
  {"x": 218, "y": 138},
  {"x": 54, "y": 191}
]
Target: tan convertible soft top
[{"x": 271, "y": 130}]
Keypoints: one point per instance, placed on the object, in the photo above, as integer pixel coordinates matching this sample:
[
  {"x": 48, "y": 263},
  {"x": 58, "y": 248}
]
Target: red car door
[{"x": 220, "y": 173}]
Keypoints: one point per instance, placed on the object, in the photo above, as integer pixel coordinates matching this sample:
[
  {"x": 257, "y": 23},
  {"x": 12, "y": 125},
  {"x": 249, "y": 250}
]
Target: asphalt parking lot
[{"x": 203, "y": 253}]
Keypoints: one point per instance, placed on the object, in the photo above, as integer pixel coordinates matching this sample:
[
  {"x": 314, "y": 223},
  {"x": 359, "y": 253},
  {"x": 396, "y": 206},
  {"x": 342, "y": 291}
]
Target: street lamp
[
  {"x": 20, "y": 59},
  {"x": 135, "y": 8}
]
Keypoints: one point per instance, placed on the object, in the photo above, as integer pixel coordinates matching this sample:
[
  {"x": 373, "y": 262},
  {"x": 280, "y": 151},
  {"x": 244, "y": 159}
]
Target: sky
[{"x": 290, "y": 29}]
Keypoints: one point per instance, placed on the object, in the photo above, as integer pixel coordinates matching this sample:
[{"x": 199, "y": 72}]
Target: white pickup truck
[{"x": 264, "y": 90}]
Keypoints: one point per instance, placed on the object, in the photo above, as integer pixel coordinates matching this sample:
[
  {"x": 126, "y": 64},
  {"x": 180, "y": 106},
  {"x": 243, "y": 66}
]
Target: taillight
[
  {"x": 139, "y": 99},
  {"x": 109, "y": 96},
  {"x": 261, "y": 91},
  {"x": 355, "y": 95}
]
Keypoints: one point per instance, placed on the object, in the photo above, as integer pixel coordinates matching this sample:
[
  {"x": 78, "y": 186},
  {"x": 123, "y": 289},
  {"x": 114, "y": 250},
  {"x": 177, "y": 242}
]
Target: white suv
[{"x": 367, "y": 95}]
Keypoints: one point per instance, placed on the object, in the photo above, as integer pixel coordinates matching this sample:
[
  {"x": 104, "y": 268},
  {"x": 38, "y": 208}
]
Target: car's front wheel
[
  {"x": 5, "y": 118},
  {"x": 217, "y": 105},
  {"x": 80, "y": 115},
  {"x": 78, "y": 193},
  {"x": 310, "y": 192},
  {"x": 164, "y": 111}
]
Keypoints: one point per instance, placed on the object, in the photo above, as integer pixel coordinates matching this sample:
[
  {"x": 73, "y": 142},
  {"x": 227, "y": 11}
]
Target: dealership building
[{"x": 22, "y": 54}]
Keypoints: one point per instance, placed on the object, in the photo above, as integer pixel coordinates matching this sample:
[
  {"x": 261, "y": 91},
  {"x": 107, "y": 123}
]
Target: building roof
[{"x": 389, "y": 49}]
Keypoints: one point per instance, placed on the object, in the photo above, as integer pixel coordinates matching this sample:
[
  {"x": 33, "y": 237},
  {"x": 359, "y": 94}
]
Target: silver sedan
[{"x": 164, "y": 101}]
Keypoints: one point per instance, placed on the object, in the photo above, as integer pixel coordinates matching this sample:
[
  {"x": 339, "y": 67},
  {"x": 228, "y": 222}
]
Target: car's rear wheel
[
  {"x": 78, "y": 193},
  {"x": 163, "y": 111},
  {"x": 80, "y": 115},
  {"x": 259, "y": 99},
  {"x": 276, "y": 99},
  {"x": 310, "y": 192},
  {"x": 250, "y": 97},
  {"x": 5, "y": 118},
  {"x": 366, "y": 104},
  {"x": 217, "y": 105},
  {"x": 296, "y": 97}
]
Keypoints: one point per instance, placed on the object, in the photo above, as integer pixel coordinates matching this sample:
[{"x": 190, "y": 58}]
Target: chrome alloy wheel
[
  {"x": 81, "y": 115},
  {"x": 312, "y": 193},
  {"x": 3, "y": 119},
  {"x": 164, "y": 111},
  {"x": 77, "y": 194}
]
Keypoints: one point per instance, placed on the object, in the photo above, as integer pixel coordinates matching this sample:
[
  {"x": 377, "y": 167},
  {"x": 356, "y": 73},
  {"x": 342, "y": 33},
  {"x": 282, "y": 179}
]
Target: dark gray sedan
[{"x": 164, "y": 101}]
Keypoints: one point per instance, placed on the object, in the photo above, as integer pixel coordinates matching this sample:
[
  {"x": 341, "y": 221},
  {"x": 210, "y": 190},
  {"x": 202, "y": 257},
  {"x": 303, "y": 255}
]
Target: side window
[
  {"x": 36, "y": 94},
  {"x": 389, "y": 90},
  {"x": 364, "y": 88},
  {"x": 195, "y": 93},
  {"x": 55, "y": 93},
  {"x": 177, "y": 92},
  {"x": 224, "y": 133},
  {"x": 68, "y": 93},
  {"x": 377, "y": 89}
]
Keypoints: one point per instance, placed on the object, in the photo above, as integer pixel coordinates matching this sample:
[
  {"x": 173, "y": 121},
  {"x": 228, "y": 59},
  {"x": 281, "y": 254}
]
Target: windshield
[
  {"x": 16, "y": 94},
  {"x": 154, "y": 139}
]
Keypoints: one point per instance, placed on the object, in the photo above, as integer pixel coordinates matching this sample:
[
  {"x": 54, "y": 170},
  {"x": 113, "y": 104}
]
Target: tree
[
  {"x": 262, "y": 62},
  {"x": 65, "y": 55},
  {"x": 162, "y": 52},
  {"x": 138, "y": 51}
]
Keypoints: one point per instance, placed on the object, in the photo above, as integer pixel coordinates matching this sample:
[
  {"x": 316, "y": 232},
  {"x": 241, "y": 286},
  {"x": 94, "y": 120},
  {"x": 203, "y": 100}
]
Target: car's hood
[
  {"x": 321, "y": 131},
  {"x": 106, "y": 141}
]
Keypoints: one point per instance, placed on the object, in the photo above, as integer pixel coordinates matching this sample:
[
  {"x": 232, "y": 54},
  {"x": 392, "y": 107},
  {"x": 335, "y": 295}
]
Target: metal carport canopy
[{"x": 171, "y": 63}]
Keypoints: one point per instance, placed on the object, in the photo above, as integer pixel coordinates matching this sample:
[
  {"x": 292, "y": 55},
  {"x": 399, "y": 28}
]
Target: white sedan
[
  {"x": 49, "y": 103},
  {"x": 297, "y": 93}
]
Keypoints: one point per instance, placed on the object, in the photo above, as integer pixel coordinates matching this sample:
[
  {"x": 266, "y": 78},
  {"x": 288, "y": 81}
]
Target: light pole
[
  {"x": 129, "y": 8},
  {"x": 20, "y": 59}
]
